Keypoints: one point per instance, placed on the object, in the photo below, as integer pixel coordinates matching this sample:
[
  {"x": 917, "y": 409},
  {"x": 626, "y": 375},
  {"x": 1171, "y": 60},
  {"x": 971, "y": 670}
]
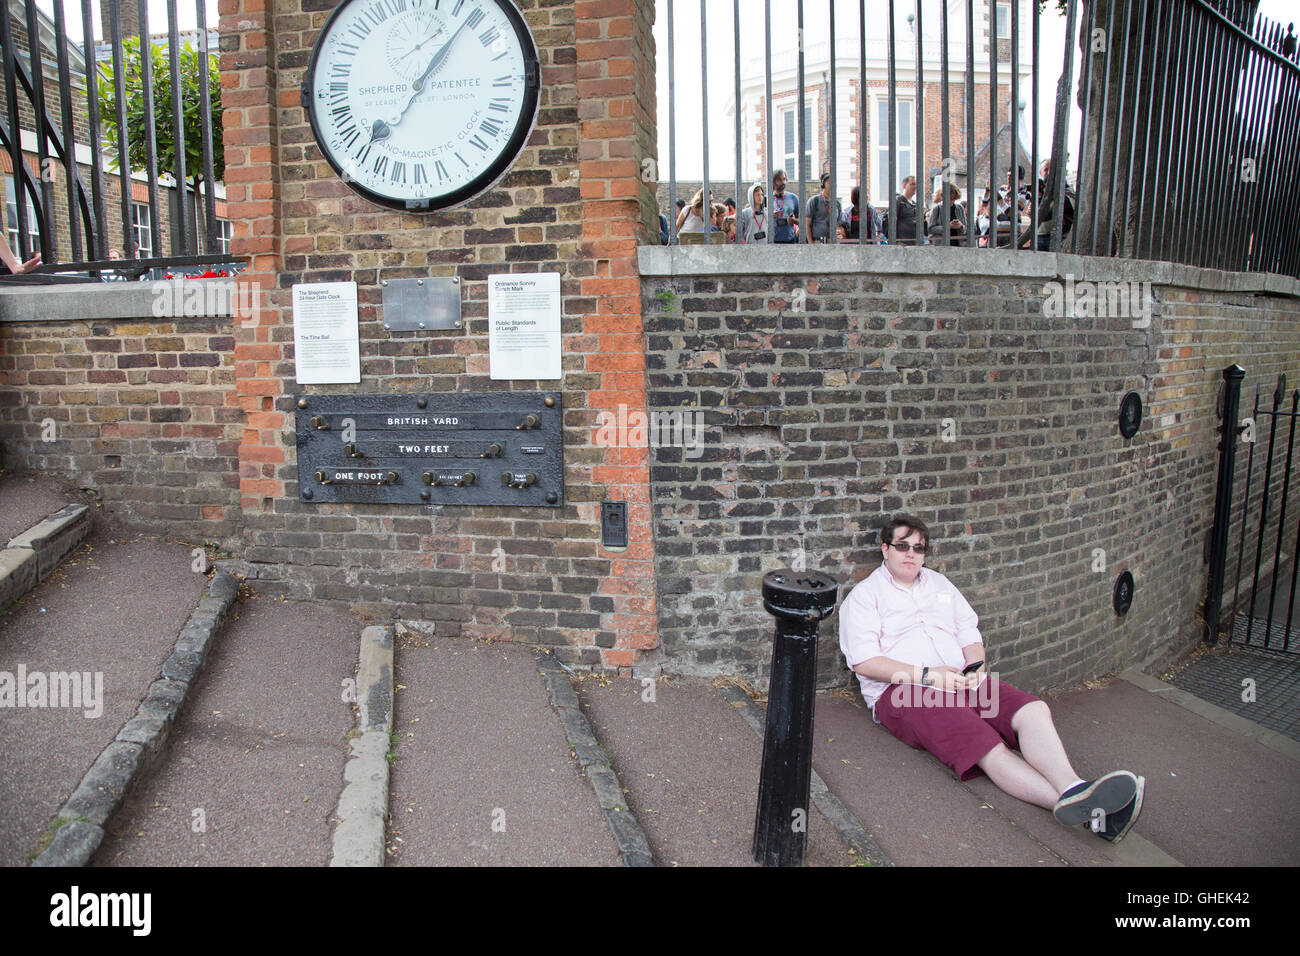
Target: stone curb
[
  {"x": 850, "y": 828},
  {"x": 142, "y": 738},
  {"x": 33, "y": 555},
  {"x": 363, "y": 802},
  {"x": 633, "y": 847}
]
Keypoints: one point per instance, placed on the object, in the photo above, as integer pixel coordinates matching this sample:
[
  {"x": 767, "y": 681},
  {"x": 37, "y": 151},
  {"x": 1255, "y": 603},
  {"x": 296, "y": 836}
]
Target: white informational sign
[
  {"x": 524, "y": 326},
  {"x": 326, "y": 336}
]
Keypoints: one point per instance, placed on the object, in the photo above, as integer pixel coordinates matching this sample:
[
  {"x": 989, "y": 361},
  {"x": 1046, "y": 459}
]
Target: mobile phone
[{"x": 972, "y": 667}]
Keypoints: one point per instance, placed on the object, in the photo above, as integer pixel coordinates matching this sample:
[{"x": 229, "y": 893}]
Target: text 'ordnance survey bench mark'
[{"x": 524, "y": 326}]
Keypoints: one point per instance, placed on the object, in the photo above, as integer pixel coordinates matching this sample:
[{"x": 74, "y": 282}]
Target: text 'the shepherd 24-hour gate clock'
[{"x": 422, "y": 104}]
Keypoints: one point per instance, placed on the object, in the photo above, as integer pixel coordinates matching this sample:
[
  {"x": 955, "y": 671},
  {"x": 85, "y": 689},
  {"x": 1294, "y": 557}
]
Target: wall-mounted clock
[{"x": 422, "y": 104}]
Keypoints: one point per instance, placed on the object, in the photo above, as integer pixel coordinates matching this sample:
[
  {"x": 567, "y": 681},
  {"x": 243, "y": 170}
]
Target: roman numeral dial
[{"x": 422, "y": 104}]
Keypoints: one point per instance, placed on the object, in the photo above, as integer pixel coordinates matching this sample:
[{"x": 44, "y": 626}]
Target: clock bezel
[{"x": 507, "y": 155}]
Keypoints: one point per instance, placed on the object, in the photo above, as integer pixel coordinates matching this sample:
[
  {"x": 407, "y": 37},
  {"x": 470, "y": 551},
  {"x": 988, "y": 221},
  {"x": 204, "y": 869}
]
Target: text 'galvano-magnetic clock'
[{"x": 422, "y": 104}]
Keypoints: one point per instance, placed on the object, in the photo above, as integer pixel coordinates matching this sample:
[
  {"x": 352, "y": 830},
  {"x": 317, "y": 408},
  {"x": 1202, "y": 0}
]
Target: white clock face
[{"x": 422, "y": 104}]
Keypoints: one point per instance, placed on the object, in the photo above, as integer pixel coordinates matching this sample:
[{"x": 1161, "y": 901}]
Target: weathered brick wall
[
  {"x": 574, "y": 204},
  {"x": 132, "y": 408},
  {"x": 828, "y": 399}
]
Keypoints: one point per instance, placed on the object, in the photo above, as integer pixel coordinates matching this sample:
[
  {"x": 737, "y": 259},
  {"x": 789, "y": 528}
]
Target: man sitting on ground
[{"x": 913, "y": 641}]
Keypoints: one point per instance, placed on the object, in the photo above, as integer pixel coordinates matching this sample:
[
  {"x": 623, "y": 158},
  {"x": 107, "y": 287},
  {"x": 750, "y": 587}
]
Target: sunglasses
[{"x": 903, "y": 546}]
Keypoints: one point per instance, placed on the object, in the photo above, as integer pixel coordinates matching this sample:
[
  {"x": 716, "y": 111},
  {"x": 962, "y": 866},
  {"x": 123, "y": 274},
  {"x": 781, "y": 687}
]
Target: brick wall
[
  {"x": 821, "y": 422},
  {"x": 574, "y": 204},
  {"x": 134, "y": 409}
]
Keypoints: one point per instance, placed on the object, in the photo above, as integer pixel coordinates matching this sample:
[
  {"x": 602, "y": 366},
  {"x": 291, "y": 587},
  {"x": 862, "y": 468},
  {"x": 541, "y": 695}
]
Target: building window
[
  {"x": 141, "y": 231},
  {"x": 11, "y": 219},
  {"x": 790, "y": 142},
  {"x": 224, "y": 232},
  {"x": 1004, "y": 21},
  {"x": 906, "y": 117}
]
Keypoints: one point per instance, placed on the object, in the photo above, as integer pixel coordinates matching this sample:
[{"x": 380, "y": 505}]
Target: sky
[
  {"x": 720, "y": 57},
  {"x": 186, "y": 14}
]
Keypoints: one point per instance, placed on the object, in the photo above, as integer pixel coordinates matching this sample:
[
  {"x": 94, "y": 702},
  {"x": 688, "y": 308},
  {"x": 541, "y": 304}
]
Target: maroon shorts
[{"x": 957, "y": 728}]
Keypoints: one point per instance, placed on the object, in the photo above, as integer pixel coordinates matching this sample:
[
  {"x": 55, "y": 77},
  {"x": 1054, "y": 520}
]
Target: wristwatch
[{"x": 924, "y": 671}]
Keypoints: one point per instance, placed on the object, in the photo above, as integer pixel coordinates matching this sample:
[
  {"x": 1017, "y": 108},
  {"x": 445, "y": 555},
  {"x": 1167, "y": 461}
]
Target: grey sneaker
[
  {"x": 1110, "y": 793},
  {"x": 1121, "y": 821}
]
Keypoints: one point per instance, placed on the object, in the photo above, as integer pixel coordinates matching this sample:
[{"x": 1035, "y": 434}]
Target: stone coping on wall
[
  {"x": 703, "y": 260},
  {"x": 162, "y": 299}
]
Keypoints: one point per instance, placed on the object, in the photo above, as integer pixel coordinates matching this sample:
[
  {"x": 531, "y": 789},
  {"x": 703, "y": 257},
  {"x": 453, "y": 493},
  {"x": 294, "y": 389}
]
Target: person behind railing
[
  {"x": 729, "y": 227},
  {"x": 904, "y": 213},
  {"x": 822, "y": 212},
  {"x": 957, "y": 216},
  {"x": 691, "y": 217},
  {"x": 859, "y": 223},
  {"x": 752, "y": 221},
  {"x": 785, "y": 211},
  {"x": 982, "y": 223},
  {"x": 1046, "y": 196},
  {"x": 9, "y": 264},
  {"x": 717, "y": 220}
]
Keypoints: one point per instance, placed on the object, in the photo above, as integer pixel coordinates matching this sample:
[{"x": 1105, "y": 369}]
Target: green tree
[{"x": 164, "y": 127}]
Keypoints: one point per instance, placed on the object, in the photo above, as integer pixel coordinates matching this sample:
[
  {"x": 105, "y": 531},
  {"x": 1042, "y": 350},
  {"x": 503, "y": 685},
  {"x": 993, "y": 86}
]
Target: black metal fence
[
  {"x": 1188, "y": 143},
  {"x": 1256, "y": 519},
  {"x": 71, "y": 198}
]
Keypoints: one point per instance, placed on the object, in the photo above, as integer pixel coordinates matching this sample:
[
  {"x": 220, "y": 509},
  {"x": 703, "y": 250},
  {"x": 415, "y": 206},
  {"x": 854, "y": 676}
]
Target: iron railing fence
[
  {"x": 1265, "y": 542},
  {"x": 1188, "y": 132},
  {"x": 70, "y": 197}
]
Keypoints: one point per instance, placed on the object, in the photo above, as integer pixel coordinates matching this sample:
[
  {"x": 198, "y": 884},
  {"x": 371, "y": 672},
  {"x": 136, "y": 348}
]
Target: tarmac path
[
  {"x": 254, "y": 765},
  {"x": 111, "y": 610}
]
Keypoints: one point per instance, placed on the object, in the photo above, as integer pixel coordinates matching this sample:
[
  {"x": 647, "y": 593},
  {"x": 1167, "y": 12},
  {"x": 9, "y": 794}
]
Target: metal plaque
[
  {"x": 481, "y": 448},
  {"x": 416, "y": 305}
]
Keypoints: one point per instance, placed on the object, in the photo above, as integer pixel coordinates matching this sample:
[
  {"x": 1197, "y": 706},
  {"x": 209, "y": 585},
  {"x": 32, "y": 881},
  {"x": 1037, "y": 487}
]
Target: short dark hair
[
  {"x": 681, "y": 203},
  {"x": 826, "y": 177},
  {"x": 911, "y": 522}
]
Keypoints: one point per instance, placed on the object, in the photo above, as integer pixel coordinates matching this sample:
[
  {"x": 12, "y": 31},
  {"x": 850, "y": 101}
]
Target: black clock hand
[{"x": 438, "y": 59}]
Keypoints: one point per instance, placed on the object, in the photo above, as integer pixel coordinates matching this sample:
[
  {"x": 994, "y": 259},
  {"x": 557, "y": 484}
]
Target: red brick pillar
[
  {"x": 250, "y": 100},
  {"x": 617, "y": 133}
]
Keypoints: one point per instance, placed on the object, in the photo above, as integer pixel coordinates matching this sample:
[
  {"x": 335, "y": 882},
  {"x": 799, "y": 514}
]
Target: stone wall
[{"x": 839, "y": 386}]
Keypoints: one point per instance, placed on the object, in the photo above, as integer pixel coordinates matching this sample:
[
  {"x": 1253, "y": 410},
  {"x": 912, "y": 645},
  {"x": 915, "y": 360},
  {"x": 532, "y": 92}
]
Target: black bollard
[{"x": 799, "y": 601}]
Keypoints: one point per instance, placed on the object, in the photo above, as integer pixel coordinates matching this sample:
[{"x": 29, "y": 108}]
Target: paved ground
[
  {"x": 483, "y": 775},
  {"x": 1260, "y": 685},
  {"x": 690, "y": 766},
  {"x": 25, "y": 500},
  {"x": 112, "y": 611},
  {"x": 255, "y": 763}
]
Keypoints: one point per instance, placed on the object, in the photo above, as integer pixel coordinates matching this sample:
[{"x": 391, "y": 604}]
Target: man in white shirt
[{"x": 914, "y": 643}]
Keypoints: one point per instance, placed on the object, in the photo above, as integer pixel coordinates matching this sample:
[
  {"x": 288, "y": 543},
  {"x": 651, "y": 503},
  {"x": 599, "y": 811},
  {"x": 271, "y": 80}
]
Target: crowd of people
[{"x": 999, "y": 220}]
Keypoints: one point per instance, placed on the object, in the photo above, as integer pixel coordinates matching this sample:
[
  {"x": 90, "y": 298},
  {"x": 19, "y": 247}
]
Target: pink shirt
[{"x": 927, "y": 624}]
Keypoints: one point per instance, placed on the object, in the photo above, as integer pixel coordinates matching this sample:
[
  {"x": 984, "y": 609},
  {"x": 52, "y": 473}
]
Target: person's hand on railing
[{"x": 11, "y": 261}]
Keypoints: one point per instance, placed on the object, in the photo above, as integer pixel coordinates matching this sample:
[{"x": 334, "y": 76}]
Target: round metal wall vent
[
  {"x": 1130, "y": 414},
  {"x": 1123, "y": 596}
]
